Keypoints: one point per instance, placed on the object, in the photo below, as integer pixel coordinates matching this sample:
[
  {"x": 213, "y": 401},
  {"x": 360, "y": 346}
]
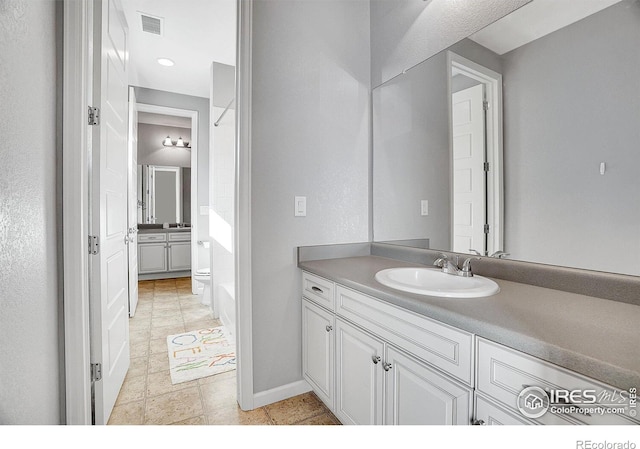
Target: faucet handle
[
  {"x": 466, "y": 267},
  {"x": 477, "y": 253},
  {"x": 500, "y": 254},
  {"x": 441, "y": 261}
]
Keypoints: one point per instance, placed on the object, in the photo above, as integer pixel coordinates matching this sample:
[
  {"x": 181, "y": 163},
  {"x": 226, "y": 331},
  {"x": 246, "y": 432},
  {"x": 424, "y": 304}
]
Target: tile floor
[{"x": 167, "y": 307}]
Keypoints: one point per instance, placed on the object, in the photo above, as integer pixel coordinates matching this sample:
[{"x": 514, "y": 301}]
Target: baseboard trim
[{"x": 279, "y": 393}]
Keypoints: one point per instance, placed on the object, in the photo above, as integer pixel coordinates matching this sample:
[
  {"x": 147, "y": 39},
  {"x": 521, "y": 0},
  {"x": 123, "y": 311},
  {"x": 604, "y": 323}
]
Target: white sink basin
[{"x": 433, "y": 282}]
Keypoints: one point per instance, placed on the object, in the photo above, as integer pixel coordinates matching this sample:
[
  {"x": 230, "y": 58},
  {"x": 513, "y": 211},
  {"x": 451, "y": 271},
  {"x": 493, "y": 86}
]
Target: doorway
[{"x": 475, "y": 124}]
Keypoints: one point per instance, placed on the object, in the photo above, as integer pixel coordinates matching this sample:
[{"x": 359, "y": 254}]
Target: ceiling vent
[{"x": 151, "y": 24}]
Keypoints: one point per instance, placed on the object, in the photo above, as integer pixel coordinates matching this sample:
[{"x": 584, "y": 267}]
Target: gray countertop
[
  {"x": 596, "y": 337},
  {"x": 159, "y": 230}
]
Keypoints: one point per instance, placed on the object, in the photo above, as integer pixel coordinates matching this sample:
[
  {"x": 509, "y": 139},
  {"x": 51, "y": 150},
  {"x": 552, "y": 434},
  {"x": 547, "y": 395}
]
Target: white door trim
[
  {"x": 77, "y": 88},
  {"x": 242, "y": 236},
  {"x": 193, "y": 115},
  {"x": 495, "y": 190}
]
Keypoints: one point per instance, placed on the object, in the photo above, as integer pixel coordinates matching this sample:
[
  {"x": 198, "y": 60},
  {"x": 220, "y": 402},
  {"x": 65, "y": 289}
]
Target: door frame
[
  {"x": 77, "y": 87},
  {"x": 76, "y": 156},
  {"x": 494, "y": 142},
  {"x": 193, "y": 115}
]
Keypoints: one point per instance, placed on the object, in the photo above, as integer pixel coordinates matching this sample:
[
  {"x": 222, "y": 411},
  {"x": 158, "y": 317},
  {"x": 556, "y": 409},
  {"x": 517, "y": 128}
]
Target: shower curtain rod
[{"x": 224, "y": 112}]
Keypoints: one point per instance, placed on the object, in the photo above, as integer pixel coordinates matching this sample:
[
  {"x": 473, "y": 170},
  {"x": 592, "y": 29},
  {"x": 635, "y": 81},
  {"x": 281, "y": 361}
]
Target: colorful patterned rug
[{"x": 200, "y": 353}]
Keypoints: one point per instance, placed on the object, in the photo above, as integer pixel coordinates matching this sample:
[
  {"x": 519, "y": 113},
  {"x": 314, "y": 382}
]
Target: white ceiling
[
  {"x": 535, "y": 20},
  {"x": 196, "y": 33}
]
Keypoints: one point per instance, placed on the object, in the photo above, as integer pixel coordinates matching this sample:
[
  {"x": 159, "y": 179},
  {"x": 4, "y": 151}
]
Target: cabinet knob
[
  {"x": 478, "y": 422},
  {"x": 375, "y": 358},
  {"x": 329, "y": 328},
  {"x": 387, "y": 366}
]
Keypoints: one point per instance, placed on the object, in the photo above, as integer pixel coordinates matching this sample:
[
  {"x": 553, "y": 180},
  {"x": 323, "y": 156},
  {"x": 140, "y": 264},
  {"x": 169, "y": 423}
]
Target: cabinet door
[
  {"x": 418, "y": 394},
  {"x": 318, "y": 343},
  {"x": 359, "y": 376},
  {"x": 152, "y": 257},
  {"x": 179, "y": 256}
]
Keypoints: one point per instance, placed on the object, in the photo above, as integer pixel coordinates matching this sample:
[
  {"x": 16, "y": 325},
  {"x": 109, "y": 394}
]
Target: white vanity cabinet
[
  {"x": 375, "y": 379},
  {"x": 164, "y": 252},
  {"x": 318, "y": 345}
]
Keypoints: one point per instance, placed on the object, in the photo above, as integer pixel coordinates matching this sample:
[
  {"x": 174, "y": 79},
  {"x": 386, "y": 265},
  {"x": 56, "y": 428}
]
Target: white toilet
[{"x": 204, "y": 276}]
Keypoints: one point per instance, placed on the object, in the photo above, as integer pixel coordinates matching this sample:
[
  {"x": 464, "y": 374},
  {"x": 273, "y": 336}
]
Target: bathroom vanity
[
  {"x": 377, "y": 355},
  {"x": 164, "y": 253}
]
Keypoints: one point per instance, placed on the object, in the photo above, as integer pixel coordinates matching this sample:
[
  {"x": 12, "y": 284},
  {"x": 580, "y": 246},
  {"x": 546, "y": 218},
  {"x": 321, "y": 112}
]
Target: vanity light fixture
[{"x": 178, "y": 143}]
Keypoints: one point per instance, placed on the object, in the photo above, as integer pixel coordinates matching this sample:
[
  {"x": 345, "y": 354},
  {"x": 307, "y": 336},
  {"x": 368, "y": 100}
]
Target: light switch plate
[
  {"x": 424, "y": 207},
  {"x": 300, "y": 206}
]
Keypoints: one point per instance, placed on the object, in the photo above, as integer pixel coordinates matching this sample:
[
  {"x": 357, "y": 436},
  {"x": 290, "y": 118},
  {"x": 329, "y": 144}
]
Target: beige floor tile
[
  {"x": 233, "y": 415},
  {"x": 139, "y": 335},
  {"x": 131, "y": 414},
  {"x": 158, "y": 346},
  {"x": 158, "y": 362},
  {"x": 139, "y": 349},
  {"x": 195, "y": 315},
  {"x": 165, "y": 331},
  {"x": 133, "y": 389},
  {"x": 201, "y": 324},
  {"x": 162, "y": 312},
  {"x": 217, "y": 378},
  {"x": 160, "y": 383},
  {"x": 173, "y": 407},
  {"x": 295, "y": 409},
  {"x": 197, "y": 421},
  {"x": 166, "y": 321},
  {"x": 165, "y": 302},
  {"x": 138, "y": 366},
  {"x": 220, "y": 394},
  {"x": 324, "y": 419}
]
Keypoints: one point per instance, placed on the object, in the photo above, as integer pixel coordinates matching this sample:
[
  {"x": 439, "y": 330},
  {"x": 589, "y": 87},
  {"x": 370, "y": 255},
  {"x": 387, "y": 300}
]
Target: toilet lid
[{"x": 204, "y": 271}]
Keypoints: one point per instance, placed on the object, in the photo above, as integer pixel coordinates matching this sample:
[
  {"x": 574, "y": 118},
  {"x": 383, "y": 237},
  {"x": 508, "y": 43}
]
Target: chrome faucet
[
  {"x": 449, "y": 267},
  {"x": 499, "y": 254}
]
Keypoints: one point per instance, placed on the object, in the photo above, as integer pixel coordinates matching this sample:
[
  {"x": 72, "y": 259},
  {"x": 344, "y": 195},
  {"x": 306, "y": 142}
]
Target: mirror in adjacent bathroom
[
  {"x": 521, "y": 138},
  {"x": 164, "y": 170}
]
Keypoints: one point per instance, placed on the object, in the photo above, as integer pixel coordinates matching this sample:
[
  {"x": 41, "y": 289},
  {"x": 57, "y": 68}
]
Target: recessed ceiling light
[{"x": 166, "y": 62}]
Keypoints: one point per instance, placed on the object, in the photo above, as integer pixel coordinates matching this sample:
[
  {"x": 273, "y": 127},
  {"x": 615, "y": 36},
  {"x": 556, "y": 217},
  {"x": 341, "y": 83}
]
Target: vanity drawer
[
  {"x": 318, "y": 289},
  {"x": 502, "y": 373},
  {"x": 491, "y": 414},
  {"x": 442, "y": 346},
  {"x": 155, "y": 237},
  {"x": 179, "y": 236}
]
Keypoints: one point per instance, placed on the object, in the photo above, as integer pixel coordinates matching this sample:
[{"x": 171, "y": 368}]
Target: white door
[
  {"x": 318, "y": 350},
  {"x": 417, "y": 394},
  {"x": 359, "y": 376},
  {"x": 109, "y": 288},
  {"x": 468, "y": 127},
  {"x": 132, "y": 185}
]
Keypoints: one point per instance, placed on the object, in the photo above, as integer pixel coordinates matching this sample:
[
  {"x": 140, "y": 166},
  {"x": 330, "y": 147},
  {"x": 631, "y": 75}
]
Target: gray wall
[
  {"x": 29, "y": 324},
  {"x": 571, "y": 102},
  {"x": 152, "y": 152},
  {"x": 405, "y": 33},
  {"x": 310, "y": 137}
]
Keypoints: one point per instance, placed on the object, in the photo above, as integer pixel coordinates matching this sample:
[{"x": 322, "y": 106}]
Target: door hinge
[
  {"x": 486, "y": 166},
  {"x": 94, "y": 245},
  {"x": 485, "y": 105},
  {"x": 486, "y": 228},
  {"x": 96, "y": 372},
  {"x": 94, "y": 116}
]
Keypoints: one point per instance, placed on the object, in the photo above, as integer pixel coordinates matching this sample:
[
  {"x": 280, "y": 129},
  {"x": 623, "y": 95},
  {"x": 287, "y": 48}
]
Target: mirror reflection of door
[
  {"x": 165, "y": 194},
  {"x": 469, "y": 199}
]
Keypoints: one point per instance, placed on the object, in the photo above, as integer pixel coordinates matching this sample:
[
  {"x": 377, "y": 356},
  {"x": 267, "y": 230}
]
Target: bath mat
[{"x": 200, "y": 353}]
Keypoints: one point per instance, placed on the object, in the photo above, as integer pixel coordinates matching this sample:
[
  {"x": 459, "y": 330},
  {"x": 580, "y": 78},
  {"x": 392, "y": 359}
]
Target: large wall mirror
[{"x": 523, "y": 139}]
